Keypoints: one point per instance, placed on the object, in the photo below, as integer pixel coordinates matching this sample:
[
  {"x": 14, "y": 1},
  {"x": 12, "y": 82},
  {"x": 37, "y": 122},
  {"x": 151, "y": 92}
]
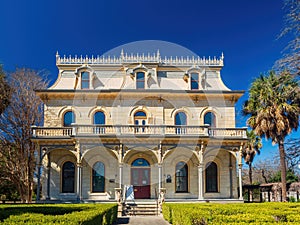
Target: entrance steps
[{"x": 141, "y": 208}]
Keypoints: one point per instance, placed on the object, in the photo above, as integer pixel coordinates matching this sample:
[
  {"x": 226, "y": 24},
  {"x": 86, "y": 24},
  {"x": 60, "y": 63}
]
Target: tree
[
  {"x": 5, "y": 91},
  {"x": 273, "y": 107},
  {"x": 291, "y": 56},
  {"x": 17, "y": 152},
  {"x": 250, "y": 150},
  {"x": 293, "y": 153}
]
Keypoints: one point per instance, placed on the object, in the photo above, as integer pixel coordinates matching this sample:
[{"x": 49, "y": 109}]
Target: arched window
[
  {"x": 69, "y": 118},
  {"x": 210, "y": 118},
  {"x": 194, "y": 81},
  {"x": 140, "y": 80},
  {"x": 181, "y": 177},
  {"x": 140, "y": 119},
  {"x": 180, "y": 120},
  {"x": 211, "y": 177},
  {"x": 68, "y": 177},
  {"x": 85, "y": 80},
  {"x": 140, "y": 162},
  {"x": 99, "y": 119},
  {"x": 98, "y": 183}
]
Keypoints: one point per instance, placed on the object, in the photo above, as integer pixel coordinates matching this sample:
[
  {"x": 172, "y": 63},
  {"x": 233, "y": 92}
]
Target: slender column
[
  {"x": 230, "y": 176},
  {"x": 200, "y": 173},
  {"x": 120, "y": 175},
  {"x": 79, "y": 182},
  {"x": 159, "y": 177},
  {"x": 159, "y": 158},
  {"x": 38, "y": 174},
  {"x": 48, "y": 176},
  {"x": 240, "y": 174},
  {"x": 120, "y": 165},
  {"x": 79, "y": 170}
]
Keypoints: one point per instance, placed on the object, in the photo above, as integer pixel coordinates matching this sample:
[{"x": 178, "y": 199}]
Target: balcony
[{"x": 137, "y": 131}]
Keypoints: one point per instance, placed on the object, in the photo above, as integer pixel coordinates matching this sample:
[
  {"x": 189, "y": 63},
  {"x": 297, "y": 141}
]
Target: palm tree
[
  {"x": 273, "y": 107},
  {"x": 250, "y": 150}
]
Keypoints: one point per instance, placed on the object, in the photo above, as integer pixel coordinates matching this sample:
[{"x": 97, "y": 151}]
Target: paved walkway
[{"x": 142, "y": 220}]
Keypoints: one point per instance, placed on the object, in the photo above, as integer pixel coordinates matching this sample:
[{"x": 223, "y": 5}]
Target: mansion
[{"x": 163, "y": 125}]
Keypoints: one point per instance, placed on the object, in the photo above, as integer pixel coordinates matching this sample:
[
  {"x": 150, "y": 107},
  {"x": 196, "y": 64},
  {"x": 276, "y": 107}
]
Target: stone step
[{"x": 142, "y": 208}]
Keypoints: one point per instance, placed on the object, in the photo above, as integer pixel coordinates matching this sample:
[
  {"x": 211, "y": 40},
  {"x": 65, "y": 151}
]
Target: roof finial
[
  {"x": 222, "y": 56},
  {"x": 122, "y": 53},
  {"x": 57, "y": 54}
]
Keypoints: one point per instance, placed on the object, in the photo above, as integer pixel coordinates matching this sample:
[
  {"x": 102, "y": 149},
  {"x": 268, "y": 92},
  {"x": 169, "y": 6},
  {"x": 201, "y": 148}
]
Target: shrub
[
  {"x": 255, "y": 213},
  {"x": 88, "y": 214}
]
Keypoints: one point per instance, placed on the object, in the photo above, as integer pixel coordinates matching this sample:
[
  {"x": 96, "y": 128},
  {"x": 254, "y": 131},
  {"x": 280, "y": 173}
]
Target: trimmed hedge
[
  {"x": 71, "y": 214},
  {"x": 255, "y": 213}
]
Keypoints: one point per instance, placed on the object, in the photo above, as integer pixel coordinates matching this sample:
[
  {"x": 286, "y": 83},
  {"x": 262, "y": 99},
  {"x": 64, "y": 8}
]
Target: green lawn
[
  {"x": 69, "y": 214},
  {"x": 255, "y": 213}
]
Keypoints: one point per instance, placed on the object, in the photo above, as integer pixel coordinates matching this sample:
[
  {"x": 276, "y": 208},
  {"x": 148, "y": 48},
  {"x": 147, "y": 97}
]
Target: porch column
[
  {"x": 48, "y": 176},
  {"x": 200, "y": 181},
  {"x": 120, "y": 175},
  {"x": 38, "y": 173},
  {"x": 159, "y": 158},
  {"x": 79, "y": 182},
  {"x": 230, "y": 175},
  {"x": 240, "y": 173},
  {"x": 200, "y": 171},
  {"x": 120, "y": 165},
  {"x": 159, "y": 177}
]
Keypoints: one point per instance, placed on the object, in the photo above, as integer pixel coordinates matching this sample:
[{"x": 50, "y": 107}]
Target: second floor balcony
[{"x": 138, "y": 131}]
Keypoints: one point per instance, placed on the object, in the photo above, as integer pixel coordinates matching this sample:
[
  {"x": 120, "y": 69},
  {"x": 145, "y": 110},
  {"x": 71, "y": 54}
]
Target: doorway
[{"x": 140, "y": 178}]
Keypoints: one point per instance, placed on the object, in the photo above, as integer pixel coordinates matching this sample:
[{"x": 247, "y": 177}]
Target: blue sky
[{"x": 33, "y": 30}]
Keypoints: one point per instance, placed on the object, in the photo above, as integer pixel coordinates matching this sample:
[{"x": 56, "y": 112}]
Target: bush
[
  {"x": 255, "y": 213},
  {"x": 88, "y": 214}
]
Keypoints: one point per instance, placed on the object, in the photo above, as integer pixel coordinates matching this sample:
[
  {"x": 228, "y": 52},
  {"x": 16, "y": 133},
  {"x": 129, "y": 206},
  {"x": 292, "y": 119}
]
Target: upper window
[
  {"x": 98, "y": 183},
  {"x": 85, "y": 80},
  {"x": 69, "y": 118},
  {"x": 211, "y": 177},
  {"x": 140, "y": 118},
  {"x": 210, "y": 119},
  {"x": 99, "y": 118},
  {"x": 180, "y": 118},
  {"x": 140, "y": 80},
  {"x": 181, "y": 175},
  {"x": 194, "y": 81},
  {"x": 68, "y": 177}
]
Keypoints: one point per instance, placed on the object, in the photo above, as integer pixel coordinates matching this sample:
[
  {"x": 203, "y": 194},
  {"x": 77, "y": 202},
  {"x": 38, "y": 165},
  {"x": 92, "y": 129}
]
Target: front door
[{"x": 140, "y": 179}]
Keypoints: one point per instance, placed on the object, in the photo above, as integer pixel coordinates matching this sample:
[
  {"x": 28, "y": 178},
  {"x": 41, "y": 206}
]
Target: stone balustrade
[{"x": 155, "y": 130}]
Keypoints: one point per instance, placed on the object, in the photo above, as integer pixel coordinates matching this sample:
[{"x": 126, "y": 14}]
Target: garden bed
[
  {"x": 256, "y": 213},
  {"x": 70, "y": 214}
]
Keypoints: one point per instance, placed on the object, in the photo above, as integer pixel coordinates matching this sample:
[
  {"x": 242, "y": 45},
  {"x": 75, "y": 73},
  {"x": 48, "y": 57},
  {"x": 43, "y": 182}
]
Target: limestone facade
[{"x": 160, "y": 125}]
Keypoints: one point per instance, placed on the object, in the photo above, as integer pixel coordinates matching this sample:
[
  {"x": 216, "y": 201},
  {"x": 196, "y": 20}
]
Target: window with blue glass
[
  {"x": 140, "y": 118},
  {"x": 99, "y": 119},
  {"x": 210, "y": 119},
  {"x": 211, "y": 177},
  {"x": 140, "y": 80},
  {"x": 140, "y": 162},
  {"x": 85, "y": 80},
  {"x": 194, "y": 81},
  {"x": 69, "y": 118},
  {"x": 98, "y": 183},
  {"x": 68, "y": 177},
  {"x": 180, "y": 118},
  {"x": 181, "y": 177}
]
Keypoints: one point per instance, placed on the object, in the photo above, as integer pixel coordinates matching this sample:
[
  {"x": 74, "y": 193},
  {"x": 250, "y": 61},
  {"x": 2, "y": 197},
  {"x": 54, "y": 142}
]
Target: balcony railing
[{"x": 147, "y": 130}]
